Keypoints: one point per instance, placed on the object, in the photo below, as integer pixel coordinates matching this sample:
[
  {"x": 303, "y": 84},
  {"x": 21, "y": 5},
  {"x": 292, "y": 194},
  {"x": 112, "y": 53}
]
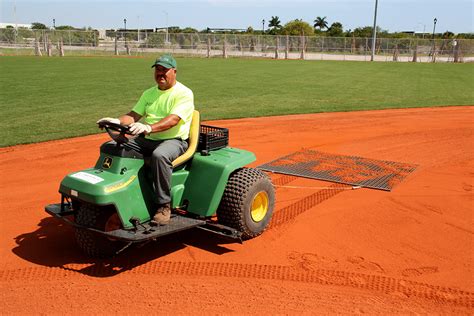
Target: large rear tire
[
  {"x": 100, "y": 218},
  {"x": 247, "y": 203}
]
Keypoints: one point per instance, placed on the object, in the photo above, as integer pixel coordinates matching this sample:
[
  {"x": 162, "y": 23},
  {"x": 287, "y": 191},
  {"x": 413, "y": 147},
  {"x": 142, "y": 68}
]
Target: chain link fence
[{"x": 142, "y": 43}]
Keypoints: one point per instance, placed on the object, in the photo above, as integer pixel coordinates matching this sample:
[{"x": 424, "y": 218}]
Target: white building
[{"x": 15, "y": 25}]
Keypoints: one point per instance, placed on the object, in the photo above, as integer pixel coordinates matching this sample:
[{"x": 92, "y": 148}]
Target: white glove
[
  {"x": 109, "y": 119},
  {"x": 138, "y": 128}
]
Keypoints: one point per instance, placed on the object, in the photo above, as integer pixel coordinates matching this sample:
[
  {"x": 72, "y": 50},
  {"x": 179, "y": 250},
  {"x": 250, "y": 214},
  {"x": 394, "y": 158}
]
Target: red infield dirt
[{"x": 329, "y": 249}]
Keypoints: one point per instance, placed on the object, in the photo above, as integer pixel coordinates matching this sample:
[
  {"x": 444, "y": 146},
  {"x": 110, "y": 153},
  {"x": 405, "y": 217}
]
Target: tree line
[{"x": 320, "y": 27}]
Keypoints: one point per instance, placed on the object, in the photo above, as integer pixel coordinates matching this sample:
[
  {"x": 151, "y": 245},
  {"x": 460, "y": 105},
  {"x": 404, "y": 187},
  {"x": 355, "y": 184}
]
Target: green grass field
[{"x": 52, "y": 98}]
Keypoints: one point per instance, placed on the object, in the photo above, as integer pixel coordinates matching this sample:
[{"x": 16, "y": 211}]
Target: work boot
[{"x": 162, "y": 216}]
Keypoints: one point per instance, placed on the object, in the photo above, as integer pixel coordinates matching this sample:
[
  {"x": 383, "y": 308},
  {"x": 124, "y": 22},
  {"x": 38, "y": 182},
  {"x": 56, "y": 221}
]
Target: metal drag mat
[{"x": 369, "y": 173}]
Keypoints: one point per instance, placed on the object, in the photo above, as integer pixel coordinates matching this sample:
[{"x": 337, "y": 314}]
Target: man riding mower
[{"x": 112, "y": 204}]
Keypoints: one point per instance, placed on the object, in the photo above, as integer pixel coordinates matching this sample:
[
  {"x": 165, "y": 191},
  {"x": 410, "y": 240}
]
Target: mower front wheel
[
  {"x": 247, "y": 203},
  {"x": 100, "y": 218}
]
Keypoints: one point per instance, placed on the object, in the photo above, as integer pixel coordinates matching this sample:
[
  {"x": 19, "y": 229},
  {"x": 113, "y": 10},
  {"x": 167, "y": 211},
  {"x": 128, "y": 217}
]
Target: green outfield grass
[{"x": 51, "y": 98}]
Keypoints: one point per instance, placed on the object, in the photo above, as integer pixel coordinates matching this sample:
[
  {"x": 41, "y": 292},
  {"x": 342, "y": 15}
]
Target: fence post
[
  {"x": 208, "y": 46},
  {"x": 302, "y": 46},
  {"x": 116, "y": 45},
  {"x": 365, "y": 50},
  {"x": 395, "y": 52},
  {"x": 60, "y": 48},
  {"x": 127, "y": 47},
  {"x": 50, "y": 49},
  {"x": 37, "y": 47},
  {"x": 252, "y": 43},
  {"x": 344, "y": 48},
  {"x": 322, "y": 47},
  {"x": 287, "y": 48},
  {"x": 224, "y": 48},
  {"x": 415, "y": 52},
  {"x": 45, "y": 41},
  {"x": 456, "y": 51},
  {"x": 277, "y": 42}
]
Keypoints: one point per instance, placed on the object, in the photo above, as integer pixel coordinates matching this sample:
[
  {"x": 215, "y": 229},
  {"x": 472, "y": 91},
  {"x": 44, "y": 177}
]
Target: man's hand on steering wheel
[
  {"x": 109, "y": 120},
  {"x": 132, "y": 129},
  {"x": 138, "y": 128}
]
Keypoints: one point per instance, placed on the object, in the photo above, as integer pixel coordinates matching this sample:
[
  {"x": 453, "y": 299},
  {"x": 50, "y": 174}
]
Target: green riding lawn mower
[{"x": 111, "y": 205}]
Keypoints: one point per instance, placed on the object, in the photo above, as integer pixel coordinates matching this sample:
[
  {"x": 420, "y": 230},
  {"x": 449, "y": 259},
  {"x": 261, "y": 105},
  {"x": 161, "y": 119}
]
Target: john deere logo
[{"x": 107, "y": 163}]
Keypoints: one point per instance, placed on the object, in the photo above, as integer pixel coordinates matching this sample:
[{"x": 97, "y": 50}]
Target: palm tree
[
  {"x": 321, "y": 23},
  {"x": 274, "y": 22},
  {"x": 274, "y": 25}
]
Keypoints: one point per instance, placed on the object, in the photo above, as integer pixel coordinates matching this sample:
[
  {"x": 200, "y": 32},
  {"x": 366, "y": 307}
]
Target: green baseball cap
[{"x": 166, "y": 61}]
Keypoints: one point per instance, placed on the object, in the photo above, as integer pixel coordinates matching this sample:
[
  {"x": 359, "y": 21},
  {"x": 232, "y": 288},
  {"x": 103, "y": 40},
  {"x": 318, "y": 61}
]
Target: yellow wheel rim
[{"x": 259, "y": 206}]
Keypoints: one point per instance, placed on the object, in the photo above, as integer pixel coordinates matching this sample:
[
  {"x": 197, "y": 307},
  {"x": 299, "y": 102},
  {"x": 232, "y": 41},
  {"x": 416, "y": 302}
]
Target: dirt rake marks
[
  {"x": 291, "y": 211},
  {"x": 374, "y": 283},
  {"x": 285, "y": 179},
  {"x": 34, "y": 273}
]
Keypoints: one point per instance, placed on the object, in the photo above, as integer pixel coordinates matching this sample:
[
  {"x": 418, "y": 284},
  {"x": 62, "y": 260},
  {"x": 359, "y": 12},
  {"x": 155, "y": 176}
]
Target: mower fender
[
  {"x": 120, "y": 186},
  {"x": 208, "y": 177}
]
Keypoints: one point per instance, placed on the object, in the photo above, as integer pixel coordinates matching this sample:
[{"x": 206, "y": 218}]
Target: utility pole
[{"x": 374, "y": 32}]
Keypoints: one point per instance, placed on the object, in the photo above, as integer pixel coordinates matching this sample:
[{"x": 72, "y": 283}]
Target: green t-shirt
[{"x": 155, "y": 104}]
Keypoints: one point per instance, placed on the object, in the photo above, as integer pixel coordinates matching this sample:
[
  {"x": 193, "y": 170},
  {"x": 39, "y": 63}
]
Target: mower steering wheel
[
  {"x": 115, "y": 127},
  {"x": 116, "y": 131}
]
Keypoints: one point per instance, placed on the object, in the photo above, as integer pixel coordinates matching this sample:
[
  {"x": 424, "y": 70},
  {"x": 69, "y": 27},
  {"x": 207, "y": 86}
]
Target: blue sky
[{"x": 402, "y": 15}]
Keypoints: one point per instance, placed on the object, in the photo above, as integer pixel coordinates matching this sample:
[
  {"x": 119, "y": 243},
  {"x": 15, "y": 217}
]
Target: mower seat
[{"x": 192, "y": 141}]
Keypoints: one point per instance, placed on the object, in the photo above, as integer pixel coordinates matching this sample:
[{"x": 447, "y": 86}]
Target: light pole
[
  {"x": 125, "y": 36},
  {"x": 263, "y": 26},
  {"x": 14, "y": 16},
  {"x": 167, "y": 35},
  {"x": 374, "y": 32},
  {"x": 434, "y": 43}
]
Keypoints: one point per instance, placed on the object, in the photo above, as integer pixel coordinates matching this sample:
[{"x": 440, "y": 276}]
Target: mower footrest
[
  {"x": 146, "y": 231},
  {"x": 142, "y": 233}
]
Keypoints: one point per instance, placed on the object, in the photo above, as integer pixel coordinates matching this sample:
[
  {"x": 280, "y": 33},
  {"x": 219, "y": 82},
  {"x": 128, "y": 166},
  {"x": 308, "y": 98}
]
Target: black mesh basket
[{"x": 212, "y": 138}]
